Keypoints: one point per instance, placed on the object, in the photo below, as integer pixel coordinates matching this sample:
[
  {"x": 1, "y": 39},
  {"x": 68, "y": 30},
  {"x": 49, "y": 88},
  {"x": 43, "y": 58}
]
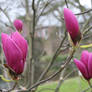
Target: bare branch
[
  {"x": 12, "y": 87},
  {"x": 86, "y": 31},
  {"x": 4, "y": 90},
  {"x": 66, "y": 3},
  {"x": 7, "y": 17},
  {"x": 84, "y": 12},
  {"x": 48, "y": 2},
  {"x": 53, "y": 59},
  {"x": 61, "y": 80}
]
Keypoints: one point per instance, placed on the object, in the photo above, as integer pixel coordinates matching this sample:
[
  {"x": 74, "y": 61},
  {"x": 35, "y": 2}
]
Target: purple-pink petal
[
  {"x": 18, "y": 67},
  {"x": 82, "y": 69},
  {"x": 85, "y": 57},
  {"x": 90, "y": 65},
  {"x": 21, "y": 42}
]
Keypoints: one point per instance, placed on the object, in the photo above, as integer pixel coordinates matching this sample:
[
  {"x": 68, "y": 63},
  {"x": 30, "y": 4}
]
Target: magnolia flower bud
[
  {"x": 18, "y": 25},
  {"x": 85, "y": 64},
  {"x": 15, "y": 49},
  {"x": 72, "y": 26}
]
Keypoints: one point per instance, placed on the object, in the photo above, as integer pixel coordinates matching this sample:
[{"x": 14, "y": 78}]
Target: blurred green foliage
[{"x": 71, "y": 85}]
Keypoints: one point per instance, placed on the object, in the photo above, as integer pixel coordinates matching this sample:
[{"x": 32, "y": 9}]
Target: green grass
[{"x": 70, "y": 85}]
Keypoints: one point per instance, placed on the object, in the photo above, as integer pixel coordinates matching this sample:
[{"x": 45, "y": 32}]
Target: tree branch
[
  {"x": 7, "y": 18},
  {"x": 66, "y": 3},
  {"x": 53, "y": 59},
  {"x": 87, "y": 11}
]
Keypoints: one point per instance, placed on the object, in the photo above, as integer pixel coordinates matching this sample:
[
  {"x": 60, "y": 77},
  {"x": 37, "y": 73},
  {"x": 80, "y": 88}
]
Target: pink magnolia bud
[
  {"x": 85, "y": 64},
  {"x": 15, "y": 49},
  {"x": 72, "y": 26},
  {"x": 18, "y": 25}
]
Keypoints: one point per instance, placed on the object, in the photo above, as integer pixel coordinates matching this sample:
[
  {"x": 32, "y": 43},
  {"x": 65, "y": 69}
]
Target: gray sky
[{"x": 15, "y": 11}]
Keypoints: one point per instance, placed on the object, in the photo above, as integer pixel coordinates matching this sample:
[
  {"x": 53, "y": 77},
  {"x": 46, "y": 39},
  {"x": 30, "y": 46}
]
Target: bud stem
[{"x": 90, "y": 85}]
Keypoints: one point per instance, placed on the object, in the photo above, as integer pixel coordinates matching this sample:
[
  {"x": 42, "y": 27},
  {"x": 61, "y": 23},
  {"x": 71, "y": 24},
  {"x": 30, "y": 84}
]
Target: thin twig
[
  {"x": 62, "y": 80},
  {"x": 7, "y": 17},
  {"x": 86, "y": 37},
  {"x": 85, "y": 24},
  {"x": 4, "y": 90},
  {"x": 86, "y": 31},
  {"x": 90, "y": 85},
  {"x": 12, "y": 87},
  {"x": 84, "y": 12},
  {"x": 66, "y": 3}
]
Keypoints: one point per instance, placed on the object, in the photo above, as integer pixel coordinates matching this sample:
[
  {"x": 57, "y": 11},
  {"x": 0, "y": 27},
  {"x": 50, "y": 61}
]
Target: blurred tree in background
[{"x": 45, "y": 32}]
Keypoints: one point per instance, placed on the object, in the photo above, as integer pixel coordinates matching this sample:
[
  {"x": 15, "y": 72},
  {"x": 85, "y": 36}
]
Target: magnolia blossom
[
  {"x": 85, "y": 64},
  {"x": 15, "y": 49},
  {"x": 18, "y": 25},
  {"x": 72, "y": 26}
]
